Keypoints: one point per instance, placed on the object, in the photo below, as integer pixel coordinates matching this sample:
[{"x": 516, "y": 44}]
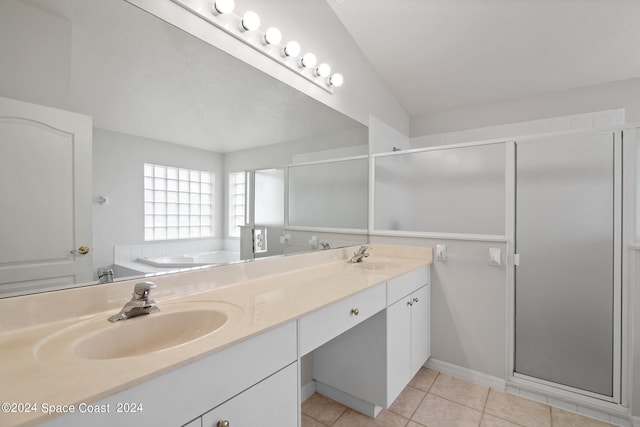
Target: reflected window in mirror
[
  {"x": 237, "y": 202},
  {"x": 178, "y": 203}
]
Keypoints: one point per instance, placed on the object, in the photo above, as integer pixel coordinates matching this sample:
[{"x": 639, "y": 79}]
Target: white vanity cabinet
[
  {"x": 242, "y": 375},
  {"x": 407, "y": 339},
  {"x": 367, "y": 367}
]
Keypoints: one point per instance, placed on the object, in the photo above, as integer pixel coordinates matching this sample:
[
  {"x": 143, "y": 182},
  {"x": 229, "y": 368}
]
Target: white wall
[
  {"x": 118, "y": 173},
  {"x": 289, "y": 152},
  {"x": 623, "y": 94},
  {"x": 38, "y": 68},
  {"x": 383, "y": 138},
  {"x": 468, "y": 305},
  {"x": 315, "y": 26}
]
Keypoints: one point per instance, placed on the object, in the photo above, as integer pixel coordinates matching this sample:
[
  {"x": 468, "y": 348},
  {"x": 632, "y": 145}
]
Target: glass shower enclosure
[{"x": 568, "y": 262}]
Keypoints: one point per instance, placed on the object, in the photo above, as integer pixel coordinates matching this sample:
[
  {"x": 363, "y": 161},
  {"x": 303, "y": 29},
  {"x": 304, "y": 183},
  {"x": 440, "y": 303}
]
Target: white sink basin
[
  {"x": 377, "y": 265},
  {"x": 175, "y": 325}
]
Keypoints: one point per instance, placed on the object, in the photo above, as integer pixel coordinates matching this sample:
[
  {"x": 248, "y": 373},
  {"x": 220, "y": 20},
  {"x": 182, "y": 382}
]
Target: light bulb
[
  {"x": 323, "y": 70},
  {"x": 292, "y": 49},
  {"x": 308, "y": 60},
  {"x": 250, "y": 21},
  {"x": 272, "y": 36},
  {"x": 223, "y": 6},
  {"x": 336, "y": 80}
]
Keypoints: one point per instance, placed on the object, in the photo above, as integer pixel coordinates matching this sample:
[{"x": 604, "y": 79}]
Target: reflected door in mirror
[{"x": 45, "y": 184}]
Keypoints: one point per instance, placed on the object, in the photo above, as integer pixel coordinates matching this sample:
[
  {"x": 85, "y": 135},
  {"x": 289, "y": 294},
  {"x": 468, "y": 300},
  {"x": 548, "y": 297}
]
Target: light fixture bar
[{"x": 233, "y": 24}]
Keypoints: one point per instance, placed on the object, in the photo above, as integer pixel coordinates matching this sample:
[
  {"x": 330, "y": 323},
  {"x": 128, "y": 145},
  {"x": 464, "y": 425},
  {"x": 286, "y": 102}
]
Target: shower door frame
[{"x": 622, "y": 163}]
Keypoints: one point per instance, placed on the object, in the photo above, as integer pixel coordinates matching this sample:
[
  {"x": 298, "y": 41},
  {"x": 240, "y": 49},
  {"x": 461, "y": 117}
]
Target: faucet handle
[{"x": 142, "y": 289}]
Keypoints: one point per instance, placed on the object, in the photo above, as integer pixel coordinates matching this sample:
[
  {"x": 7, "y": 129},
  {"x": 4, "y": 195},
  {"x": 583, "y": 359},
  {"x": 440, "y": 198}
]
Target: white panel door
[{"x": 45, "y": 191}]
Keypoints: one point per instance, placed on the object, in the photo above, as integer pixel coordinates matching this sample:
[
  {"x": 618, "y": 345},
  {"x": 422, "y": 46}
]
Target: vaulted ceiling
[{"x": 440, "y": 55}]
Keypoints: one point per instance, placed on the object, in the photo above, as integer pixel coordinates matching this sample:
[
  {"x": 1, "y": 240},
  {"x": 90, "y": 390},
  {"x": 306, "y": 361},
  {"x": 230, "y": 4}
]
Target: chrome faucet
[
  {"x": 139, "y": 304},
  {"x": 358, "y": 256}
]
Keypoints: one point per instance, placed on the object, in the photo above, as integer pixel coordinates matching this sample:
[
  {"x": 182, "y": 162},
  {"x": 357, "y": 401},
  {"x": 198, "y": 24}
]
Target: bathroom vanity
[{"x": 246, "y": 328}]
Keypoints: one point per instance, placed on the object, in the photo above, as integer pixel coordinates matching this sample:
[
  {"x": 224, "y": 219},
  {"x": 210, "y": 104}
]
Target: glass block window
[
  {"x": 237, "y": 203},
  {"x": 178, "y": 203}
]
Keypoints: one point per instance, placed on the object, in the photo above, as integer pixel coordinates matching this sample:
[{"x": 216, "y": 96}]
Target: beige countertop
[{"x": 268, "y": 292}]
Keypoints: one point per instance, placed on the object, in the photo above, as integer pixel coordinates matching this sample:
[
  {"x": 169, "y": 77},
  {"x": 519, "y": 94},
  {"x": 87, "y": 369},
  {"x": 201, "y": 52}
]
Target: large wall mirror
[{"x": 191, "y": 151}]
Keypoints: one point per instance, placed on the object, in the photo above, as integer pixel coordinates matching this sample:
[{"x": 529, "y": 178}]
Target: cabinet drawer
[
  {"x": 327, "y": 323},
  {"x": 272, "y": 402},
  {"x": 401, "y": 286}
]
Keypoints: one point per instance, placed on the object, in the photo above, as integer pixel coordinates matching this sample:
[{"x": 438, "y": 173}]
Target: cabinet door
[
  {"x": 420, "y": 328},
  {"x": 271, "y": 402},
  {"x": 398, "y": 347}
]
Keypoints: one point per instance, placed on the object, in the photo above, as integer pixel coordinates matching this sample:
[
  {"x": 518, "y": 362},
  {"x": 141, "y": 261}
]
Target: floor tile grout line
[{"x": 424, "y": 397}]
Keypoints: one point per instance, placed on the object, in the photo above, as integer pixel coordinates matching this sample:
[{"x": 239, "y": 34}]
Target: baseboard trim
[
  {"x": 307, "y": 391},
  {"x": 366, "y": 408},
  {"x": 467, "y": 374}
]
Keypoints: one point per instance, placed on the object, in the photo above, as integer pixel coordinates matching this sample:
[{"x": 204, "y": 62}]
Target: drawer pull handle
[
  {"x": 223, "y": 423},
  {"x": 355, "y": 311},
  {"x": 415, "y": 300}
]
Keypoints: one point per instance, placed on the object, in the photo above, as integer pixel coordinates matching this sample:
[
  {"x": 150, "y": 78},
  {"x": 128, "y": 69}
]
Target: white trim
[
  {"x": 307, "y": 390},
  {"x": 441, "y": 236},
  {"x": 510, "y": 232},
  {"x": 535, "y": 382},
  {"x": 443, "y": 147},
  {"x": 467, "y": 374},
  {"x": 326, "y": 229},
  {"x": 321, "y": 162},
  {"x": 584, "y": 404},
  {"x": 366, "y": 408},
  {"x": 618, "y": 266}
]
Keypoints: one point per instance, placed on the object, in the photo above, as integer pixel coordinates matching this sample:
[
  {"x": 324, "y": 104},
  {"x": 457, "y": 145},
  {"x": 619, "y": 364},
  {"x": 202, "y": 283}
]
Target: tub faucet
[
  {"x": 139, "y": 304},
  {"x": 358, "y": 256}
]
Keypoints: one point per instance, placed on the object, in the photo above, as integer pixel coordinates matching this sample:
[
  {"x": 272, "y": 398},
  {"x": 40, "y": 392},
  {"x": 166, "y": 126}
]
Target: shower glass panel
[
  {"x": 564, "y": 283},
  {"x": 447, "y": 190},
  {"x": 331, "y": 194}
]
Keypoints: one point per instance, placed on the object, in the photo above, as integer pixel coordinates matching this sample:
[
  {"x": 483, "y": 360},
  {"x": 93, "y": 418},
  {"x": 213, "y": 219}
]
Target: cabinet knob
[
  {"x": 409, "y": 303},
  {"x": 223, "y": 423},
  {"x": 355, "y": 311},
  {"x": 415, "y": 300}
]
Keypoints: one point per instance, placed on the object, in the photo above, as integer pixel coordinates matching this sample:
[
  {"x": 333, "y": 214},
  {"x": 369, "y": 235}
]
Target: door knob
[{"x": 82, "y": 250}]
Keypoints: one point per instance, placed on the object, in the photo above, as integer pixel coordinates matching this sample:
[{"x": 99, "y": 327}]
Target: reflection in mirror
[
  {"x": 104, "y": 88},
  {"x": 327, "y": 203}
]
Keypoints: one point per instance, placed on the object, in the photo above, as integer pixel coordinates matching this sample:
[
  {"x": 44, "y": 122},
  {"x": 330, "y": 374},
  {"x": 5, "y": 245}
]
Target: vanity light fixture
[
  {"x": 309, "y": 60},
  {"x": 336, "y": 80},
  {"x": 272, "y": 36},
  {"x": 250, "y": 21},
  {"x": 246, "y": 28},
  {"x": 223, "y": 7},
  {"x": 291, "y": 49},
  {"x": 323, "y": 70}
]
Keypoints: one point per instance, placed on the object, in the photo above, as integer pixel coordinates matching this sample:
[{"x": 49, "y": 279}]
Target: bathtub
[{"x": 192, "y": 260}]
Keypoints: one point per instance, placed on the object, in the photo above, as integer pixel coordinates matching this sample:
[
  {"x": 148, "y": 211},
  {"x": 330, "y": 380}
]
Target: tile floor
[{"x": 433, "y": 399}]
